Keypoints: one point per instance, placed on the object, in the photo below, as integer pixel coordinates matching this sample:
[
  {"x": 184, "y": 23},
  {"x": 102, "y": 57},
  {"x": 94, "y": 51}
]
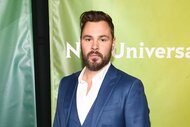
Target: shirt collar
[{"x": 99, "y": 76}]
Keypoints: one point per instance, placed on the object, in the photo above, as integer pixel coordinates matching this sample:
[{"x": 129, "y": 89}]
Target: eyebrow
[
  {"x": 86, "y": 36},
  {"x": 104, "y": 36},
  {"x": 99, "y": 36}
]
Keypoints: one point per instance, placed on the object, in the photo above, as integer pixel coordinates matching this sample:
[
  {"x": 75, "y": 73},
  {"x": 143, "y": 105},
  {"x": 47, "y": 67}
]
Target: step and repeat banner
[
  {"x": 152, "y": 43},
  {"x": 17, "y": 86}
]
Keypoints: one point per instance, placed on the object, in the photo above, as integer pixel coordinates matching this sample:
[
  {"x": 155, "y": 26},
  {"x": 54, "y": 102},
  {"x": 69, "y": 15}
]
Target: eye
[
  {"x": 103, "y": 39},
  {"x": 88, "y": 39}
]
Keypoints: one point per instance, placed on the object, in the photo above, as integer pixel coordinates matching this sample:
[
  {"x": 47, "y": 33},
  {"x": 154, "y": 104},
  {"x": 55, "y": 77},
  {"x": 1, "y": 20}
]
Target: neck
[{"x": 87, "y": 76}]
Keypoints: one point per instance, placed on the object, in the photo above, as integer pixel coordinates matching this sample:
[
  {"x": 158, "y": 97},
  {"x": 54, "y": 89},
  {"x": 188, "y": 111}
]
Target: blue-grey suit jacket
[{"x": 121, "y": 101}]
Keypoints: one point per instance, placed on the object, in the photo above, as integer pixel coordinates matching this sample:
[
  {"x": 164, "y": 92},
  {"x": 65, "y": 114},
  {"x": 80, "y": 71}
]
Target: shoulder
[
  {"x": 124, "y": 75},
  {"x": 126, "y": 80},
  {"x": 70, "y": 77},
  {"x": 69, "y": 80}
]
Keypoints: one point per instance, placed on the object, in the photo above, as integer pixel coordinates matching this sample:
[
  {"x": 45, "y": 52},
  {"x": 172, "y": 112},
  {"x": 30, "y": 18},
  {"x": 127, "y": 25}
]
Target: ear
[{"x": 113, "y": 44}]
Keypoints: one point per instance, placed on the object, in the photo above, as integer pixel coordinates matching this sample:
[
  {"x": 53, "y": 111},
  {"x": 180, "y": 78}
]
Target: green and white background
[
  {"x": 158, "y": 31},
  {"x": 17, "y": 88}
]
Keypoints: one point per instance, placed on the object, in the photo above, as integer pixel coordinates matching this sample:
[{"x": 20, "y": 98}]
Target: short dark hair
[{"x": 95, "y": 16}]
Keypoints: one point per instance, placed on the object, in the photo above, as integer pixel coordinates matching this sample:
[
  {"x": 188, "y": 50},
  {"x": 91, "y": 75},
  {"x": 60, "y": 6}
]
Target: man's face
[{"x": 96, "y": 44}]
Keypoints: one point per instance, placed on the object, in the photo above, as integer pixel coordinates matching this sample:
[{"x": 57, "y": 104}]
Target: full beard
[{"x": 94, "y": 65}]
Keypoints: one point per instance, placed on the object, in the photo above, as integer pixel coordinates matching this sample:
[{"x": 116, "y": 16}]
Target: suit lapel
[{"x": 104, "y": 94}]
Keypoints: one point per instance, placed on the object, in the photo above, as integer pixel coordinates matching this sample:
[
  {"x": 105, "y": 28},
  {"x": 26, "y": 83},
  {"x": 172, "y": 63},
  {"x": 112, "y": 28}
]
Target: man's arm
[
  {"x": 136, "y": 107},
  {"x": 57, "y": 122}
]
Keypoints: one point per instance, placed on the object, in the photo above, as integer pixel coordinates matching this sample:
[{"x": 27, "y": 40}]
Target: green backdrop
[
  {"x": 153, "y": 44},
  {"x": 17, "y": 92}
]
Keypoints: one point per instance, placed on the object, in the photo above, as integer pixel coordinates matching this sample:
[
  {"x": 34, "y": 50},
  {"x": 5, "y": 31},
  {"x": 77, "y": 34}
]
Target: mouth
[{"x": 94, "y": 56}]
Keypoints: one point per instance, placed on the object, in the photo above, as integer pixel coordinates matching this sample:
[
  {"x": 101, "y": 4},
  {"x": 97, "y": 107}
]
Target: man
[{"x": 100, "y": 95}]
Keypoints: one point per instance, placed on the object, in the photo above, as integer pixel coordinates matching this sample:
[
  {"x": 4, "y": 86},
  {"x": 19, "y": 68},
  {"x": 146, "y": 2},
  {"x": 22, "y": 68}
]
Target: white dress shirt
[{"x": 85, "y": 101}]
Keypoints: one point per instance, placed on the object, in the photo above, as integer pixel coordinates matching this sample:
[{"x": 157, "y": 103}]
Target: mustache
[{"x": 96, "y": 53}]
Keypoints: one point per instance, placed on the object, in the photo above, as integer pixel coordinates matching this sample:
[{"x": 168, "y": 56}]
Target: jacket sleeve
[
  {"x": 136, "y": 107},
  {"x": 58, "y": 117}
]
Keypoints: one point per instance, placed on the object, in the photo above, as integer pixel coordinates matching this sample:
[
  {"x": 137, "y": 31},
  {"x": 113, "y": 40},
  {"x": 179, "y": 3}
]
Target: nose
[{"x": 95, "y": 45}]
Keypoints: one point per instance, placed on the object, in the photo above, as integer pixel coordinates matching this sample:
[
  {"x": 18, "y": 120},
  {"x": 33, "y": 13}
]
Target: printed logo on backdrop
[{"x": 139, "y": 52}]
